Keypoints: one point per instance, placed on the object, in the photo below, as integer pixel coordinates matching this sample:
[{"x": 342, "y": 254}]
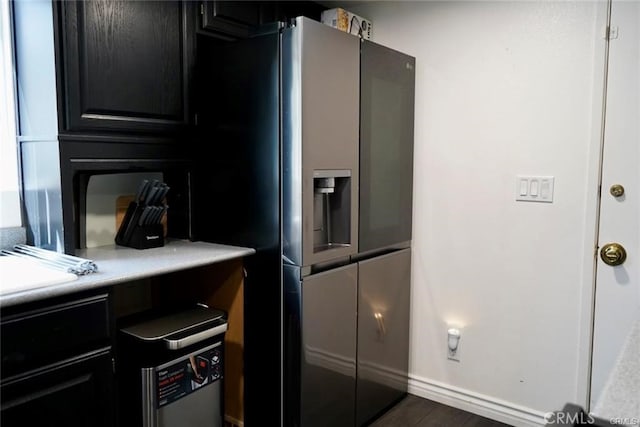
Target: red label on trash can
[{"x": 183, "y": 378}]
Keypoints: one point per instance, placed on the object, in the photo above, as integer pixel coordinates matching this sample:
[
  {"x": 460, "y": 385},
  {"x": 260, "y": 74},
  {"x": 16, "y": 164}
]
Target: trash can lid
[{"x": 182, "y": 322}]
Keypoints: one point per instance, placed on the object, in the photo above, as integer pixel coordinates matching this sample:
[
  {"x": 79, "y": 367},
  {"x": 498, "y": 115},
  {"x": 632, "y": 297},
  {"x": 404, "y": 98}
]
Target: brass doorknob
[
  {"x": 616, "y": 190},
  {"x": 613, "y": 254}
]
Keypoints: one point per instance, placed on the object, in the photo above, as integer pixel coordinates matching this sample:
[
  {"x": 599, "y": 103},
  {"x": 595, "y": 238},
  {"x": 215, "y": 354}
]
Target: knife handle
[
  {"x": 145, "y": 214},
  {"x": 129, "y": 223},
  {"x": 141, "y": 190}
]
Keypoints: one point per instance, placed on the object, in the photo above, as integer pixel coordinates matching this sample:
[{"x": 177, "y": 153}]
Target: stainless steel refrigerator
[{"x": 310, "y": 154}]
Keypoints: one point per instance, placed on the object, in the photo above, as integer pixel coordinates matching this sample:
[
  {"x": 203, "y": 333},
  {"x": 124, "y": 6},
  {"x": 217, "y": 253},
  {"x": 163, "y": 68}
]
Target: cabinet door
[
  {"x": 126, "y": 65},
  {"x": 231, "y": 18},
  {"x": 328, "y": 352},
  {"x": 236, "y": 19},
  {"x": 40, "y": 337},
  {"x": 78, "y": 393},
  {"x": 383, "y": 332}
]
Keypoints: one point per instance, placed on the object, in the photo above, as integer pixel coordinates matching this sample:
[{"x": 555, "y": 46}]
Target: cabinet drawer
[
  {"x": 35, "y": 338},
  {"x": 74, "y": 393}
]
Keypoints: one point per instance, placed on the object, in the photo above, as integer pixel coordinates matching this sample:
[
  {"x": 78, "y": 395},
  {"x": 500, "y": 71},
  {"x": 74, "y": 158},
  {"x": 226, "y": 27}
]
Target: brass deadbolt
[
  {"x": 616, "y": 190},
  {"x": 613, "y": 254}
]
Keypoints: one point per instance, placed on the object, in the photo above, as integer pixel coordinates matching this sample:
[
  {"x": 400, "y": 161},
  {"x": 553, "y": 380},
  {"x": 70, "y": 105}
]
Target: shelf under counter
[{"x": 118, "y": 264}]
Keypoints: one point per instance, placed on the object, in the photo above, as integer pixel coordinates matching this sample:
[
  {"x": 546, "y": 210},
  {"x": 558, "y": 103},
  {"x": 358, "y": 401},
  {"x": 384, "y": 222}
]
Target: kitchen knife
[
  {"x": 151, "y": 196},
  {"x": 153, "y": 219},
  {"x": 162, "y": 212},
  {"x": 145, "y": 193},
  {"x": 141, "y": 190},
  {"x": 144, "y": 216},
  {"x": 163, "y": 193},
  {"x": 130, "y": 222},
  {"x": 157, "y": 185},
  {"x": 156, "y": 197}
]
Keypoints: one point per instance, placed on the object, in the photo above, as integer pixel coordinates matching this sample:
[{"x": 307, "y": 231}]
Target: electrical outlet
[
  {"x": 453, "y": 344},
  {"x": 454, "y": 355}
]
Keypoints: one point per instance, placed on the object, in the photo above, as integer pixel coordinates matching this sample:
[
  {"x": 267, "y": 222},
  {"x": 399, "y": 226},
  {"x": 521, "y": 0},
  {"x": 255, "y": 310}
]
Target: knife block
[
  {"x": 146, "y": 236},
  {"x": 136, "y": 236},
  {"x": 122, "y": 204}
]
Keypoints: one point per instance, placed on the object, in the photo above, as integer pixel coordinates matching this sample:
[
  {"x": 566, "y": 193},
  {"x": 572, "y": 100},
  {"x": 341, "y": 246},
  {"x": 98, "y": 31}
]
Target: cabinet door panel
[
  {"x": 126, "y": 65},
  {"x": 40, "y": 337},
  {"x": 230, "y": 18},
  {"x": 74, "y": 394},
  {"x": 242, "y": 12},
  {"x": 383, "y": 332}
]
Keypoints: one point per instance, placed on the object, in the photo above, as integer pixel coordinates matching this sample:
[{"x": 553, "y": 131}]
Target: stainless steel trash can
[{"x": 173, "y": 370}]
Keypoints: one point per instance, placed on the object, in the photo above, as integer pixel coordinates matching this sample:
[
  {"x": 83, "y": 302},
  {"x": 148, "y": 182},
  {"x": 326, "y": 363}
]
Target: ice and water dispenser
[{"x": 331, "y": 209}]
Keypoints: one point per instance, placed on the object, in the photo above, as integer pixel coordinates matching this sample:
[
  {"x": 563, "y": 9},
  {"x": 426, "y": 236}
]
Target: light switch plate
[{"x": 534, "y": 188}]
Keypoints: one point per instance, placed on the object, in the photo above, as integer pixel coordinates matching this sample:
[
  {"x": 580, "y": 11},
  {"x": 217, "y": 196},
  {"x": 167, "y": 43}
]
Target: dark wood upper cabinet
[
  {"x": 230, "y": 19},
  {"x": 237, "y": 19},
  {"x": 125, "y": 65}
]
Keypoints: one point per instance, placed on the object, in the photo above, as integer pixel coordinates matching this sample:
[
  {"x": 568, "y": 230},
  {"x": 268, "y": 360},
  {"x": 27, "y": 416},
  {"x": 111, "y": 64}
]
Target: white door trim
[{"x": 592, "y": 214}]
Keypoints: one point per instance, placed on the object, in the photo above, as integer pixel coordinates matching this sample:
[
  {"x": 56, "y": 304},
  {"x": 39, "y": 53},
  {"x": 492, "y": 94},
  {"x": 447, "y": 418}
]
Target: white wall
[{"x": 502, "y": 88}]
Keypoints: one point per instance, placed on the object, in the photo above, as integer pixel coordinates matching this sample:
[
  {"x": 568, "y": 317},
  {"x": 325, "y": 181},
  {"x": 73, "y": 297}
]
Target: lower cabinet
[
  {"x": 57, "y": 367},
  {"x": 60, "y": 364},
  {"x": 76, "y": 392}
]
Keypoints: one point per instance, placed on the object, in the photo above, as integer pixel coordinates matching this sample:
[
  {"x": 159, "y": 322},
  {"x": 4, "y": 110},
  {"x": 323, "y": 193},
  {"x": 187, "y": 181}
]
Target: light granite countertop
[{"x": 117, "y": 264}]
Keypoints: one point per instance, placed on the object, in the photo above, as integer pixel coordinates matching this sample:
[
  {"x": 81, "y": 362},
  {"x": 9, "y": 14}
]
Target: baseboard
[{"x": 476, "y": 403}]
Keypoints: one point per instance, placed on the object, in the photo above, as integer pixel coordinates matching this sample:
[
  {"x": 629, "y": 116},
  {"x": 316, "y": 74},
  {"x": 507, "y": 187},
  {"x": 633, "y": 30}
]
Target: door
[
  {"x": 77, "y": 393},
  {"x": 383, "y": 332},
  {"x": 615, "y": 381},
  {"x": 387, "y": 82},
  {"x": 328, "y": 348},
  {"x": 231, "y": 18},
  {"x": 320, "y": 97},
  {"x": 126, "y": 65}
]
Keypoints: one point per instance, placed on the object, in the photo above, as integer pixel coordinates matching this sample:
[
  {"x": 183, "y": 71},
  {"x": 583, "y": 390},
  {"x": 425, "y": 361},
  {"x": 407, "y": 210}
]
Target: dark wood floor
[{"x": 415, "y": 411}]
